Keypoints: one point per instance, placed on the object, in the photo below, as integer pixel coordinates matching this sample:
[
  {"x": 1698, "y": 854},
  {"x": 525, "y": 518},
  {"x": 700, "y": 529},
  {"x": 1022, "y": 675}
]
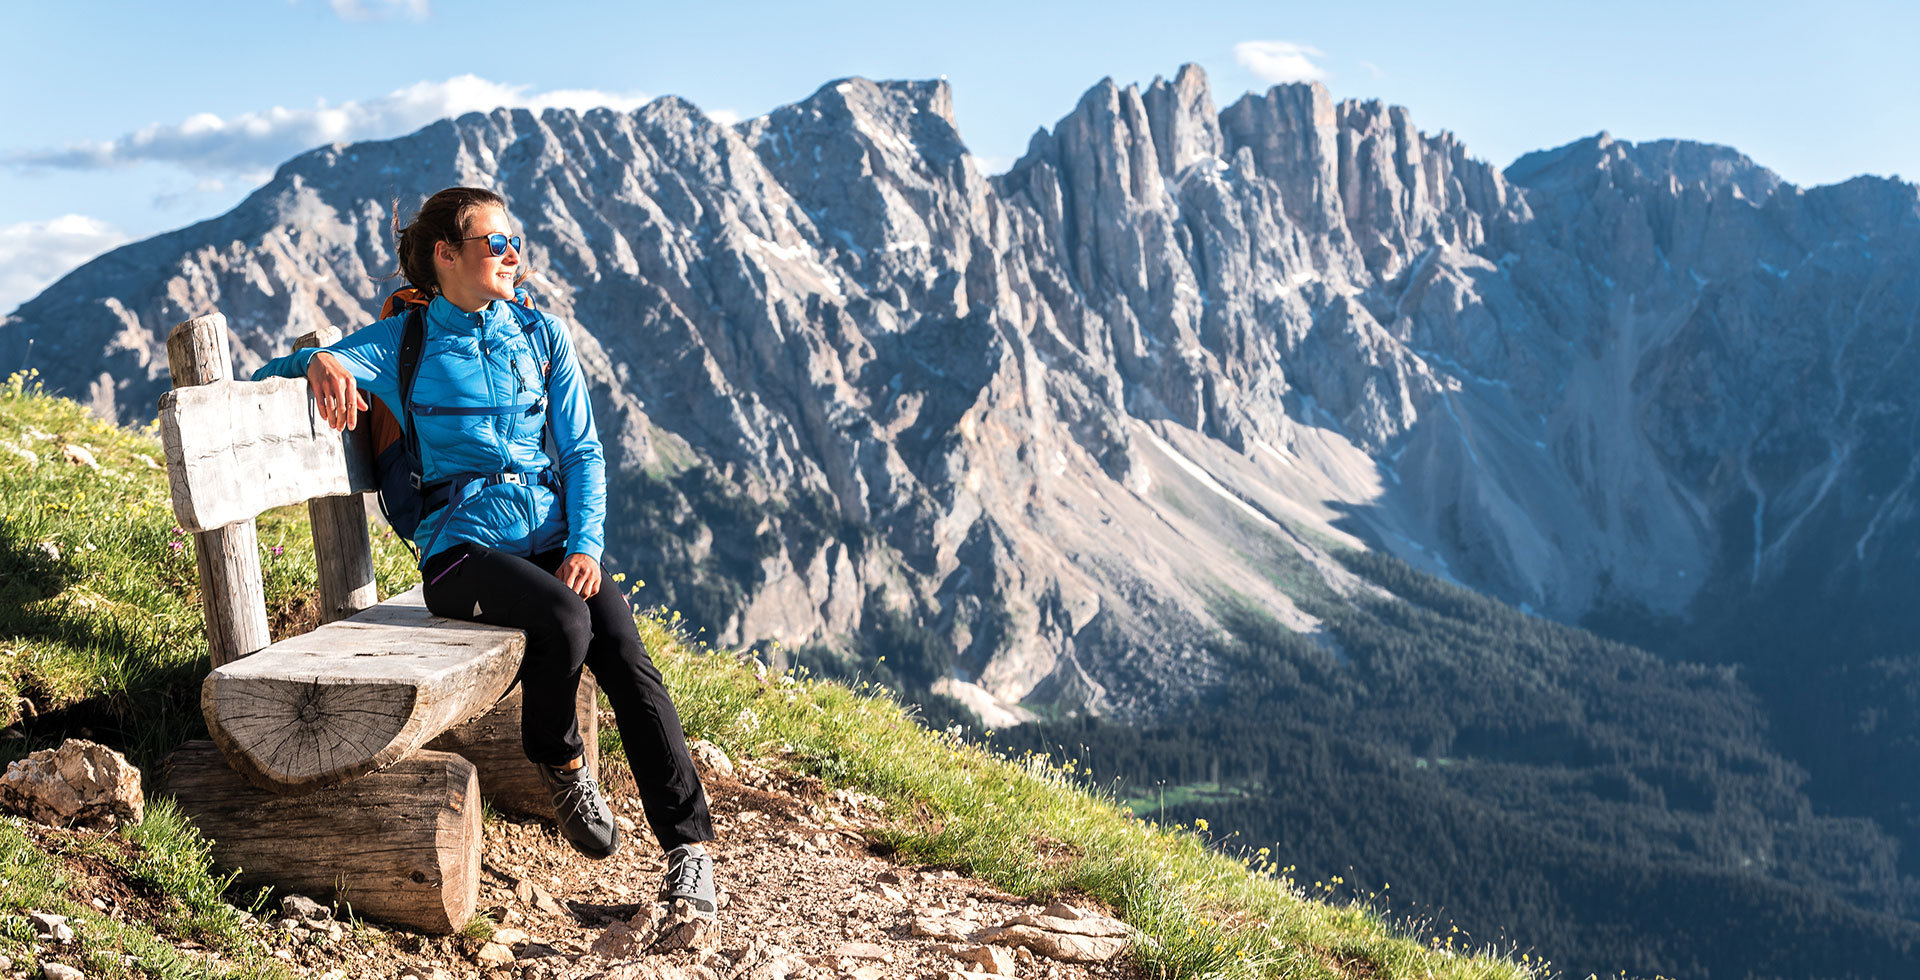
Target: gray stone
[
  {"x": 54, "y": 928},
  {"x": 710, "y": 756},
  {"x": 300, "y": 908}
]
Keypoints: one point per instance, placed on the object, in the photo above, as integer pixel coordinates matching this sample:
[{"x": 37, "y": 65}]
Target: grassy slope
[{"x": 106, "y": 635}]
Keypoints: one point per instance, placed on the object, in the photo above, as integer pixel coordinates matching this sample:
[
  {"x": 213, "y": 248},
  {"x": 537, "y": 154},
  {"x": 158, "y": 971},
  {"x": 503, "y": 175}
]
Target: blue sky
[{"x": 146, "y": 117}]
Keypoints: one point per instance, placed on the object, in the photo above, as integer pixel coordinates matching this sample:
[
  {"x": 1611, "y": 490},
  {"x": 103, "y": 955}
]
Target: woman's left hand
[{"x": 579, "y": 573}]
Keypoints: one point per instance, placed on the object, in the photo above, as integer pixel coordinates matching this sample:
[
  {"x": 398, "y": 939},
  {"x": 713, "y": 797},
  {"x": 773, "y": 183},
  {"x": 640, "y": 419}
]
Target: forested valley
[{"x": 1467, "y": 765}]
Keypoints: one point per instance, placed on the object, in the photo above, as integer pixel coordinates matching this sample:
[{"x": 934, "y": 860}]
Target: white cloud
[
  {"x": 35, "y": 253},
  {"x": 1280, "y": 61},
  {"x": 208, "y": 144},
  {"x": 357, "y": 10}
]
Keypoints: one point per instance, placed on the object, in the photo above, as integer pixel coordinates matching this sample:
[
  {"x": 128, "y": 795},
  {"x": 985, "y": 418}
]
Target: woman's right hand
[{"x": 335, "y": 391}]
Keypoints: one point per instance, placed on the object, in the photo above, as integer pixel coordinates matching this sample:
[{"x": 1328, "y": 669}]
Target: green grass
[
  {"x": 167, "y": 865},
  {"x": 110, "y": 633}
]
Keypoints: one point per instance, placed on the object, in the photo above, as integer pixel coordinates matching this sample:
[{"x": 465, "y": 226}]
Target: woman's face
[{"x": 471, "y": 276}]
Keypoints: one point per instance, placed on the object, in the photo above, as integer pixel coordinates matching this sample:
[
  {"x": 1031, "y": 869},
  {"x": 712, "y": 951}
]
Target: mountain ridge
[{"x": 1287, "y": 272}]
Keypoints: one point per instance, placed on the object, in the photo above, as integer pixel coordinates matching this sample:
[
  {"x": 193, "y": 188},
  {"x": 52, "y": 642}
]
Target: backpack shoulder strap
[
  {"x": 531, "y": 323},
  {"x": 413, "y": 338}
]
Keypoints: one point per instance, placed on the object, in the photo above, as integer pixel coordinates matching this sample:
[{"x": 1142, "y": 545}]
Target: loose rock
[
  {"x": 544, "y": 902},
  {"x": 61, "y": 971},
  {"x": 993, "y": 959},
  {"x": 80, "y": 456},
  {"x": 940, "y": 927},
  {"x": 1055, "y": 945},
  {"x": 686, "y": 927},
  {"x": 619, "y": 941},
  {"x": 300, "y": 908},
  {"x": 862, "y": 951},
  {"x": 53, "y": 927},
  {"x": 493, "y": 954},
  {"x": 710, "y": 756},
  {"x": 79, "y": 784}
]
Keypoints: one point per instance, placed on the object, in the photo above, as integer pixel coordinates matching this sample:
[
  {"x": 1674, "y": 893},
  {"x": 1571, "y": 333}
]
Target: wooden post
[
  {"x": 231, "y": 594},
  {"x": 340, "y": 541}
]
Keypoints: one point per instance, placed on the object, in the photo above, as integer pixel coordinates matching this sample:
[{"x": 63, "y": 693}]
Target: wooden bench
[{"x": 348, "y": 761}]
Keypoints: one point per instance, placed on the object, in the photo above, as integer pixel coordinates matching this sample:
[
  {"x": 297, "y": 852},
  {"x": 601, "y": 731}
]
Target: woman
[{"x": 513, "y": 542}]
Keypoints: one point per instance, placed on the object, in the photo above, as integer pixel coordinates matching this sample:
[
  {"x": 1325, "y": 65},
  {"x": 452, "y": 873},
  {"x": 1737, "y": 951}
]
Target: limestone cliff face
[{"x": 1065, "y": 413}]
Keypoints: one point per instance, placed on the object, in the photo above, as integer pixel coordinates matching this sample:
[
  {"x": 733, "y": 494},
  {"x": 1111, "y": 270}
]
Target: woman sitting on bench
[{"x": 505, "y": 540}]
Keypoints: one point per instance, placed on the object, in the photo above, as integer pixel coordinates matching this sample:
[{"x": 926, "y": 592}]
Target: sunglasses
[{"x": 496, "y": 242}]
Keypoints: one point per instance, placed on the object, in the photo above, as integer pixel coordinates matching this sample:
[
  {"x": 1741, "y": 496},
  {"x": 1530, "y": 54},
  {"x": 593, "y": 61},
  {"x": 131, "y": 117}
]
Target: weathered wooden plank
[
  {"x": 228, "y": 559},
  {"x": 492, "y": 743},
  {"x": 401, "y": 845},
  {"x": 355, "y": 696},
  {"x": 233, "y": 598},
  {"x": 341, "y": 548},
  {"x": 236, "y": 448}
]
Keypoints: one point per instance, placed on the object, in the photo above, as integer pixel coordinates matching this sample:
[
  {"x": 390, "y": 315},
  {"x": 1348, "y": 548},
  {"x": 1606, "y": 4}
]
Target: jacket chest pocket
[{"x": 453, "y": 376}]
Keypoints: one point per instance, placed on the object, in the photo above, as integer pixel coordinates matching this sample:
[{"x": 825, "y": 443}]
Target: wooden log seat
[
  {"x": 401, "y": 845},
  {"x": 356, "y": 695}
]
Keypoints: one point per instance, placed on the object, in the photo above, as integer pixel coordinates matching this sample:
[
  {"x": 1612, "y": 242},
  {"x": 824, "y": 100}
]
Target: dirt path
[{"x": 802, "y": 897}]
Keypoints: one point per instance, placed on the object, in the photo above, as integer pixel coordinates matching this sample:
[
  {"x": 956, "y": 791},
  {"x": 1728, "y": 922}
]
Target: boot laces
[
  {"x": 685, "y": 874},
  {"x": 581, "y": 796}
]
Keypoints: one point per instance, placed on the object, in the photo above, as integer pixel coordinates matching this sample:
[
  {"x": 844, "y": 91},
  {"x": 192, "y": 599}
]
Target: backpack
[{"x": 405, "y": 496}]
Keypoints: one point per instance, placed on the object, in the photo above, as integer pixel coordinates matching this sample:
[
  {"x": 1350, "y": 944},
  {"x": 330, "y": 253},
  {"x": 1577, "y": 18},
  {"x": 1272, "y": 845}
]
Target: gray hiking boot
[
  {"x": 584, "y": 819},
  {"x": 689, "y": 877}
]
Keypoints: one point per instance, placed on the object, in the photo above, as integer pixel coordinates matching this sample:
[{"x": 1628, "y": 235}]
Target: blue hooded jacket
[{"x": 489, "y": 358}]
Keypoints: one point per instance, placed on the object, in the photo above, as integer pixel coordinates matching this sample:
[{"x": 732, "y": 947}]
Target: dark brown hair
[{"x": 444, "y": 217}]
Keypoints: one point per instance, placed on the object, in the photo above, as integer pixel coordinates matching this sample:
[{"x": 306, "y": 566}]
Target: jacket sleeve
[
  {"x": 583, "y": 464},
  {"x": 371, "y": 354}
]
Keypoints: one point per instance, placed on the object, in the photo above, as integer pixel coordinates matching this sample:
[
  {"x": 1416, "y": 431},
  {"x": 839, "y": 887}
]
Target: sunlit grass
[
  {"x": 1030, "y": 826},
  {"x": 169, "y": 862}
]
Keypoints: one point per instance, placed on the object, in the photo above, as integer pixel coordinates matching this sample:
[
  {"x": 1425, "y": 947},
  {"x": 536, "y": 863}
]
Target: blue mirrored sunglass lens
[{"x": 497, "y": 243}]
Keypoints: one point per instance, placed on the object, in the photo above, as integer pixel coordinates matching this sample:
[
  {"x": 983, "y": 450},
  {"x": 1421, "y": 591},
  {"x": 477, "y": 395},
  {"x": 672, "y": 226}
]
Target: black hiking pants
[{"x": 564, "y": 633}]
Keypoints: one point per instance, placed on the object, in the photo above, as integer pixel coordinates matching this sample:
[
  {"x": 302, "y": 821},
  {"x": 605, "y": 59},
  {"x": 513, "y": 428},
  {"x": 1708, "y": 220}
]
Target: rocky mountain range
[{"x": 1066, "y": 415}]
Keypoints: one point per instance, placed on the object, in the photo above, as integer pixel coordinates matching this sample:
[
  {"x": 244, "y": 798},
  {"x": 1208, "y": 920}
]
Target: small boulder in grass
[
  {"x": 80, "y": 455},
  {"x": 79, "y": 784},
  {"x": 53, "y": 928}
]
